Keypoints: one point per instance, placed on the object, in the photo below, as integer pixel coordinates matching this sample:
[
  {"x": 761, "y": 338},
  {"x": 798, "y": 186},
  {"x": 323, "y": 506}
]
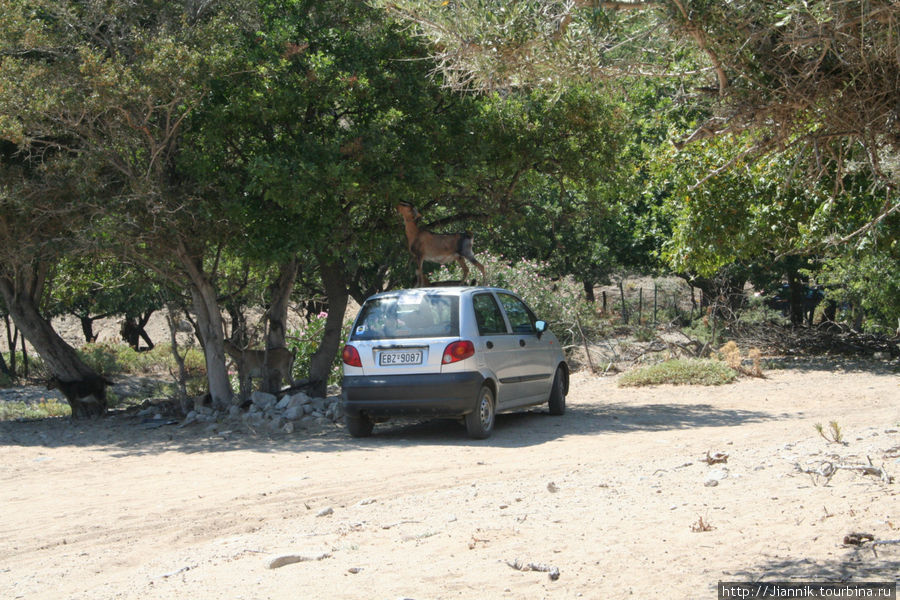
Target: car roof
[{"x": 454, "y": 290}]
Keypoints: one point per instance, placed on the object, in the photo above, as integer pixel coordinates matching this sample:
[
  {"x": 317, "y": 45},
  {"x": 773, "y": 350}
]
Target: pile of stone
[{"x": 269, "y": 413}]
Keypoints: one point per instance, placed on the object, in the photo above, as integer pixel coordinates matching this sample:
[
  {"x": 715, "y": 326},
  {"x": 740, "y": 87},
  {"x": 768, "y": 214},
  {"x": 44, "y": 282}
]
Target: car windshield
[{"x": 409, "y": 315}]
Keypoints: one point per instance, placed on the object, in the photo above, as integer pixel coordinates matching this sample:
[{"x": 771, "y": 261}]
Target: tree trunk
[
  {"x": 142, "y": 323},
  {"x": 132, "y": 330},
  {"x": 210, "y": 326},
  {"x": 276, "y": 327},
  {"x": 21, "y": 294},
  {"x": 725, "y": 290},
  {"x": 87, "y": 329},
  {"x": 332, "y": 272},
  {"x": 589, "y": 291},
  {"x": 11, "y": 344},
  {"x": 795, "y": 285},
  {"x": 5, "y": 369}
]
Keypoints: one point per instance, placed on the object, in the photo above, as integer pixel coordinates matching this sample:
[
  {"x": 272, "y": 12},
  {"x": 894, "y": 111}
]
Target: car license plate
[{"x": 400, "y": 357}]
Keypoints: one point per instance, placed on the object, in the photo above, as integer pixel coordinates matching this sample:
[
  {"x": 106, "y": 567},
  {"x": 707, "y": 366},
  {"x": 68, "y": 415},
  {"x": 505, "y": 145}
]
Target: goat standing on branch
[{"x": 440, "y": 248}]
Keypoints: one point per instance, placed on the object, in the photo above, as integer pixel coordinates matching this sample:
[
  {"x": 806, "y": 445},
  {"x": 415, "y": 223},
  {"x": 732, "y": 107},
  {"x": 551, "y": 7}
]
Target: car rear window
[{"x": 408, "y": 316}]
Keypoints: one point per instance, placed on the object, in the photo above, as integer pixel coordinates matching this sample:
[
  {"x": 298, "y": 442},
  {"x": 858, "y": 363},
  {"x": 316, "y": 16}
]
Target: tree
[
  {"x": 40, "y": 219},
  {"x": 818, "y": 77},
  {"x": 119, "y": 84},
  {"x": 99, "y": 286},
  {"x": 338, "y": 121}
]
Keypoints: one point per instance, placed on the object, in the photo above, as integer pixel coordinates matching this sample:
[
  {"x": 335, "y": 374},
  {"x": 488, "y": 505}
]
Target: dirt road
[{"x": 611, "y": 495}]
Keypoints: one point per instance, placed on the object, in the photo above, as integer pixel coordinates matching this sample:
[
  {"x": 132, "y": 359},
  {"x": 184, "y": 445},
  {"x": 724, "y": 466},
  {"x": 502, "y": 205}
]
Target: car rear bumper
[{"x": 432, "y": 395}]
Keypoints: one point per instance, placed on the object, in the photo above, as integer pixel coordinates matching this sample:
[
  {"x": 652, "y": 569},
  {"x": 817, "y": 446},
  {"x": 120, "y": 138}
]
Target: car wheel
[
  {"x": 480, "y": 422},
  {"x": 360, "y": 426},
  {"x": 558, "y": 393}
]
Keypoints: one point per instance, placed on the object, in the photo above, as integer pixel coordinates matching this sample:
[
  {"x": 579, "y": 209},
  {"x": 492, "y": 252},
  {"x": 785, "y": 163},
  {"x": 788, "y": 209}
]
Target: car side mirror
[{"x": 540, "y": 327}]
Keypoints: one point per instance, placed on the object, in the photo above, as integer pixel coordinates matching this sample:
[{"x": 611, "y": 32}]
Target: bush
[
  {"x": 680, "y": 372},
  {"x": 36, "y": 366},
  {"x": 37, "y": 410},
  {"x": 306, "y": 342},
  {"x": 110, "y": 359},
  {"x": 102, "y": 358},
  {"x": 559, "y": 301}
]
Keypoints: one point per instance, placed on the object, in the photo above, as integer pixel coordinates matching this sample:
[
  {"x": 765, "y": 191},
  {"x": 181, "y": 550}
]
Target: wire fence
[{"x": 650, "y": 302}]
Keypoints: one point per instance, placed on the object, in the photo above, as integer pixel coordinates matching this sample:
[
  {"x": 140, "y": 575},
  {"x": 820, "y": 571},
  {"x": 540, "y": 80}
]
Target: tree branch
[{"x": 700, "y": 38}]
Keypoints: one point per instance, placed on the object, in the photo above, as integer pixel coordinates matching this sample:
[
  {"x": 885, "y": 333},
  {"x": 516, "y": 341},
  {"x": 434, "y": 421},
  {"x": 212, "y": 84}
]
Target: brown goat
[
  {"x": 90, "y": 390},
  {"x": 252, "y": 362},
  {"x": 440, "y": 248}
]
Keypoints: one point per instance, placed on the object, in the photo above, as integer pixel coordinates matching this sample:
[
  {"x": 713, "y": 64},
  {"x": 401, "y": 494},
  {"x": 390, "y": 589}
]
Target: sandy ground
[{"x": 608, "y": 494}]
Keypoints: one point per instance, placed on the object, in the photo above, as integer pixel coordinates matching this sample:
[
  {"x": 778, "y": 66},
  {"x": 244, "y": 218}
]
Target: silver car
[{"x": 469, "y": 352}]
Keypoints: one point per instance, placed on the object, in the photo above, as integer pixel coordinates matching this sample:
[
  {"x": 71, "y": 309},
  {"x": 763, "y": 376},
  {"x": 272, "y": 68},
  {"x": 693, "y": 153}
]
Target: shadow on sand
[{"x": 126, "y": 434}]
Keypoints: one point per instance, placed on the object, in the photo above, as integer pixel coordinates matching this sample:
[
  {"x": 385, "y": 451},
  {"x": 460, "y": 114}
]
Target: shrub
[
  {"x": 681, "y": 372},
  {"x": 731, "y": 354},
  {"x": 306, "y": 342},
  {"x": 34, "y": 410},
  {"x": 110, "y": 359},
  {"x": 558, "y": 300},
  {"x": 36, "y": 367},
  {"x": 102, "y": 358}
]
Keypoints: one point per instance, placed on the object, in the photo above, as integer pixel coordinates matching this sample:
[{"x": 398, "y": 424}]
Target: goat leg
[
  {"x": 480, "y": 267},
  {"x": 421, "y": 279},
  {"x": 465, "y": 269}
]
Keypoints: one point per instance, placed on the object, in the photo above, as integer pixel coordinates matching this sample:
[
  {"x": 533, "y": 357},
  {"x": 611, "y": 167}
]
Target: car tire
[
  {"x": 557, "y": 400},
  {"x": 480, "y": 422},
  {"x": 360, "y": 426}
]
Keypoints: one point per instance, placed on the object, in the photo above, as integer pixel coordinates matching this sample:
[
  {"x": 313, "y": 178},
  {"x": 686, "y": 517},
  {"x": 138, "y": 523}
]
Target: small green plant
[
  {"x": 644, "y": 334},
  {"x": 833, "y": 434},
  {"x": 680, "y": 372}
]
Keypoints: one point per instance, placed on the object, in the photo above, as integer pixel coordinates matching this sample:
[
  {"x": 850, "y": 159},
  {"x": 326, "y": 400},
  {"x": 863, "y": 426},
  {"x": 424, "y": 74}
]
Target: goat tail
[{"x": 464, "y": 247}]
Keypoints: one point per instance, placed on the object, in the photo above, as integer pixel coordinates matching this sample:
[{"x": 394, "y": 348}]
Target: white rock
[{"x": 717, "y": 474}]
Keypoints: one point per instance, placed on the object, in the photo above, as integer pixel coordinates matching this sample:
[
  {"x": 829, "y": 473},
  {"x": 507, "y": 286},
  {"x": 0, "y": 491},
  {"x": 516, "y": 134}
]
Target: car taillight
[
  {"x": 350, "y": 356},
  {"x": 457, "y": 351}
]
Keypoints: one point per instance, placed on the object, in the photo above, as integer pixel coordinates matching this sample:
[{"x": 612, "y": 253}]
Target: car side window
[
  {"x": 520, "y": 316},
  {"x": 488, "y": 315}
]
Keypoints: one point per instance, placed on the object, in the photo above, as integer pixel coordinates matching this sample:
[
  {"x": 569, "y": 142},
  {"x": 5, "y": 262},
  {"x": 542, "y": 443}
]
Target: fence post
[
  {"x": 624, "y": 308},
  {"x": 654, "y": 303},
  {"x": 693, "y": 303},
  {"x": 640, "y": 305},
  {"x": 604, "y": 301}
]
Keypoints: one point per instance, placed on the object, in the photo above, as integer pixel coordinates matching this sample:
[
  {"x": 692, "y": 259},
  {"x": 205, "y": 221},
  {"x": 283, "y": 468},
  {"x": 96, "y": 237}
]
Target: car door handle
[
  {"x": 489, "y": 345},
  {"x": 522, "y": 343}
]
